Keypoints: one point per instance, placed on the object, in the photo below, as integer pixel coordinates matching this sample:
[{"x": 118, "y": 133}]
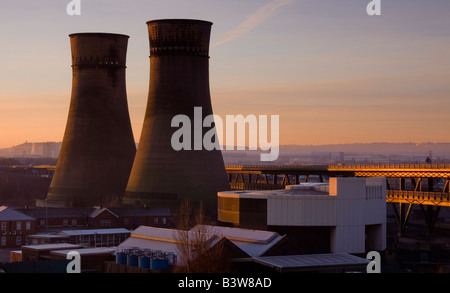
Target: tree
[{"x": 200, "y": 250}]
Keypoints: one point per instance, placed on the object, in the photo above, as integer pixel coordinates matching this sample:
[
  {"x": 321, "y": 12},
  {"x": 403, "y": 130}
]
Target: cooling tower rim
[
  {"x": 179, "y": 20},
  {"x": 98, "y": 34}
]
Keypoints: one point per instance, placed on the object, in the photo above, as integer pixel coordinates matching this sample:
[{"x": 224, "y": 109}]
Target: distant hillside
[
  {"x": 32, "y": 150},
  {"x": 437, "y": 149},
  {"x": 356, "y": 153},
  {"x": 52, "y": 149}
]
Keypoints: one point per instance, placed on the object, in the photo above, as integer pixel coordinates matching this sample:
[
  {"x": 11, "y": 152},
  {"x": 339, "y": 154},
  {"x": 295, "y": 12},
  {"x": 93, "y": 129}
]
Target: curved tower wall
[
  {"x": 179, "y": 81},
  {"x": 98, "y": 147}
]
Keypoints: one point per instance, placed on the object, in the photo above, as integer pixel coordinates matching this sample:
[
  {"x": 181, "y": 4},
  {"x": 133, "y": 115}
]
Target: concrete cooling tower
[
  {"x": 179, "y": 82},
  {"x": 98, "y": 147}
]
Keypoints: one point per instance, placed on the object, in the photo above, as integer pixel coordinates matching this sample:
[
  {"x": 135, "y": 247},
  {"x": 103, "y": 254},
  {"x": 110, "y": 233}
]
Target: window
[
  {"x": 164, "y": 220},
  {"x": 126, "y": 221},
  {"x": 74, "y": 222},
  {"x": 18, "y": 240},
  {"x": 18, "y": 225},
  {"x": 155, "y": 220},
  {"x": 3, "y": 226},
  {"x": 28, "y": 225},
  {"x": 3, "y": 242},
  {"x": 105, "y": 222},
  {"x": 42, "y": 222},
  {"x": 65, "y": 222}
]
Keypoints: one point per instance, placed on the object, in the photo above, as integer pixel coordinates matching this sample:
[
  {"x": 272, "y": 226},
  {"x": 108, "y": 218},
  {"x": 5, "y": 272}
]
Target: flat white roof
[
  {"x": 169, "y": 235},
  {"x": 163, "y": 233},
  {"x": 310, "y": 262},
  {"x": 240, "y": 234},
  {"x": 303, "y": 189},
  {"x": 157, "y": 239},
  {"x": 95, "y": 231},
  {"x": 252, "y": 242},
  {"x": 51, "y": 246},
  {"x": 85, "y": 251},
  {"x": 262, "y": 194},
  {"x": 47, "y": 236},
  {"x": 145, "y": 244}
]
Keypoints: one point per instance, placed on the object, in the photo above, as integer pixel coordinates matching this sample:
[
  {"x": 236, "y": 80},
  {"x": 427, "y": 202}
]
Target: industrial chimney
[
  {"x": 179, "y": 81},
  {"x": 98, "y": 147}
]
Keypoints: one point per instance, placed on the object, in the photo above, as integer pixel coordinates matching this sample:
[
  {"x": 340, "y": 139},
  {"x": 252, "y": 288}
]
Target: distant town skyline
[{"x": 333, "y": 74}]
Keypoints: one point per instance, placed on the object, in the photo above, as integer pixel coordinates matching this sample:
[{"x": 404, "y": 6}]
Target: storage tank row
[
  {"x": 98, "y": 162},
  {"x": 146, "y": 259}
]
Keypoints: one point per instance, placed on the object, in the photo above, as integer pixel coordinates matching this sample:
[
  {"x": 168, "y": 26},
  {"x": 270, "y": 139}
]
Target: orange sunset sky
[{"x": 331, "y": 72}]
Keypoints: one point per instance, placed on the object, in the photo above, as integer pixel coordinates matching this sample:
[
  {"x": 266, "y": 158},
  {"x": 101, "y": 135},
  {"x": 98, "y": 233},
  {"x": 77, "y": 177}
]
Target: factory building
[
  {"x": 14, "y": 227},
  {"x": 90, "y": 238},
  {"x": 150, "y": 249},
  {"x": 57, "y": 219},
  {"x": 346, "y": 215},
  {"x": 235, "y": 243}
]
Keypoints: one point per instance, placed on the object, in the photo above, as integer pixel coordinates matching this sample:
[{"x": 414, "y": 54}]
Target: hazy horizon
[
  {"x": 332, "y": 73},
  {"x": 286, "y": 145}
]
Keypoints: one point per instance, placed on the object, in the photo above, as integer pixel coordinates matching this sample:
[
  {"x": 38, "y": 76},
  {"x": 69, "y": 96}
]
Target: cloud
[{"x": 253, "y": 21}]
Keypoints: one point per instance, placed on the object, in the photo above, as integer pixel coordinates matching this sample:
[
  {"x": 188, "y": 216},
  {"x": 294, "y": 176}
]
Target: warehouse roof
[
  {"x": 251, "y": 242},
  {"x": 57, "y": 212},
  {"x": 304, "y": 189},
  {"x": 137, "y": 212},
  {"x": 55, "y": 246},
  {"x": 97, "y": 212},
  {"x": 92, "y": 212},
  {"x": 9, "y": 214},
  {"x": 94, "y": 231},
  {"x": 86, "y": 251},
  {"x": 312, "y": 262}
]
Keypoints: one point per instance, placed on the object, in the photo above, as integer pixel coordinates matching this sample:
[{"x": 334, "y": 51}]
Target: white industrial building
[
  {"x": 247, "y": 249},
  {"x": 251, "y": 243},
  {"x": 346, "y": 215}
]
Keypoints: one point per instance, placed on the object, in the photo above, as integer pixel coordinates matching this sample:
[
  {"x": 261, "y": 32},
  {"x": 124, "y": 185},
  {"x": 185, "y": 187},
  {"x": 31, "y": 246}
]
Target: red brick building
[
  {"x": 58, "y": 219},
  {"x": 131, "y": 218},
  {"x": 103, "y": 218},
  {"x": 15, "y": 227},
  {"x": 17, "y": 224}
]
